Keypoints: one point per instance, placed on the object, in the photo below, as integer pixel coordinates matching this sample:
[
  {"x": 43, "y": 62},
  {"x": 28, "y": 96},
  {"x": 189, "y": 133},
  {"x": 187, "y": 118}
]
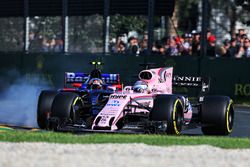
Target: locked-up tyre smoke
[
  {"x": 217, "y": 115},
  {"x": 45, "y": 101},
  {"x": 168, "y": 108}
]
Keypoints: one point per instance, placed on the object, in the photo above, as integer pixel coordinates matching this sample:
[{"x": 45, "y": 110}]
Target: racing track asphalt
[{"x": 241, "y": 124}]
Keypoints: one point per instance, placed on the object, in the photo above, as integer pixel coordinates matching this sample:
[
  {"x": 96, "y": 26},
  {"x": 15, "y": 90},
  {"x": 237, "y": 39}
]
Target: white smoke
[{"x": 18, "y": 100}]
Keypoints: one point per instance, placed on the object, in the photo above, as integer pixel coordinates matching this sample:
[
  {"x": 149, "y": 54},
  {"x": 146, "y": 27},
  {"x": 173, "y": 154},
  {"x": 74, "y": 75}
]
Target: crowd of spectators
[
  {"x": 238, "y": 46},
  {"x": 44, "y": 44},
  {"x": 187, "y": 44}
]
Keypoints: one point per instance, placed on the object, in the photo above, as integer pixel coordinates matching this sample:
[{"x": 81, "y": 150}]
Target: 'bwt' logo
[{"x": 114, "y": 103}]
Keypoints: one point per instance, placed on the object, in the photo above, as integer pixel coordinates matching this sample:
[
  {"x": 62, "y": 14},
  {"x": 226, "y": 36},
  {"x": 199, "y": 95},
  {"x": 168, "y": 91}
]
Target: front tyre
[
  {"x": 66, "y": 107},
  {"x": 45, "y": 101},
  {"x": 217, "y": 115},
  {"x": 168, "y": 108}
]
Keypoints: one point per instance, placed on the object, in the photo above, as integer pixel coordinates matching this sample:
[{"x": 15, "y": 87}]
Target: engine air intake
[{"x": 145, "y": 75}]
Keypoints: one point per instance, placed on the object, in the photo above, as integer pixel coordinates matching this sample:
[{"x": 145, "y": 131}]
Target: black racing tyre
[
  {"x": 217, "y": 115},
  {"x": 45, "y": 100},
  {"x": 66, "y": 107},
  {"x": 168, "y": 108}
]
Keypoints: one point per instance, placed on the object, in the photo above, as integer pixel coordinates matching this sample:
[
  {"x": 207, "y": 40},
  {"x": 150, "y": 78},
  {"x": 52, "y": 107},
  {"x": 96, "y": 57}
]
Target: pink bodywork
[{"x": 159, "y": 83}]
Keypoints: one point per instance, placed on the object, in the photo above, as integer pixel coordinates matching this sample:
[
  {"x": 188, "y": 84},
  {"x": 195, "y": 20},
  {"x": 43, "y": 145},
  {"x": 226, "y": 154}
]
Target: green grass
[{"x": 160, "y": 140}]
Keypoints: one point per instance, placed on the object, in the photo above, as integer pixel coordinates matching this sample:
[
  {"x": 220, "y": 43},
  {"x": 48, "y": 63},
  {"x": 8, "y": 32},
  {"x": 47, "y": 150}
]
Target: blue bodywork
[
  {"x": 94, "y": 100},
  {"x": 95, "y": 97}
]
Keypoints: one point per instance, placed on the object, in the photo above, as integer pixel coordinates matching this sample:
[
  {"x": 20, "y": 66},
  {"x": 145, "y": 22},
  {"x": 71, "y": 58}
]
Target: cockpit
[
  {"x": 95, "y": 83},
  {"x": 140, "y": 87}
]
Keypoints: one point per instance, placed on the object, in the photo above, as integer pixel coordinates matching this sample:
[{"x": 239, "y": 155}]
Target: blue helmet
[
  {"x": 95, "y": 83},
  {"x": 140, "y": 86}
]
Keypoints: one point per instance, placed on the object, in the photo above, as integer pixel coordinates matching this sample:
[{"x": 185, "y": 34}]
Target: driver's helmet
[
  {"x": 140, "y": 86},
  {"x": 95, "y": 83}
]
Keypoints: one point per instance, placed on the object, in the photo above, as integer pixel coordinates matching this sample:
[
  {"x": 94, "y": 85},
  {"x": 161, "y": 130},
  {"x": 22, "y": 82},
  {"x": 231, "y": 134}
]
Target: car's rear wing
[
  {"x": 190, "y": 81},
  {"x": 82, "y": 78}
]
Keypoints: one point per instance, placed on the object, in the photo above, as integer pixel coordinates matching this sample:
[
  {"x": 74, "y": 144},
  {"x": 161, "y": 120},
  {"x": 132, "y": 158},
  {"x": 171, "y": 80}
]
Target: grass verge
[{"x": 160, "y": 140}]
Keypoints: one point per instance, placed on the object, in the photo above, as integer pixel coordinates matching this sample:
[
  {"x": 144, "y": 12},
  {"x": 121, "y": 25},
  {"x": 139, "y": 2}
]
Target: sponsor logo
[
  {"x": 118, "y": 96},
  {"x": 167, "y": 75},
  {"x": 242, "y": 90},
  {"x": 110, "y": 78},
  {"x": 187, "y": 79},
  {"x": 114, "y": 103},
  {"x": 72, "y": 77}
]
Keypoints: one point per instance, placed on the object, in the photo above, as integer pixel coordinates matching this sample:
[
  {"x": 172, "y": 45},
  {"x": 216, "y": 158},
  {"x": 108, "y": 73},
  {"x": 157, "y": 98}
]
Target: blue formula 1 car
[{"x": 93, "y": 90}]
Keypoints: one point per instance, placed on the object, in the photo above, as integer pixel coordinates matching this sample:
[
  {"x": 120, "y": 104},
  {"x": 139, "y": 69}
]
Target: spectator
[
  {"x": 224, "y": 49},
  {"x": 144, "y": 47},
  {"x": 187, "y": 45},
  {"x": 247, "y": 48},
  {"x": 45, "y": 45},
  {"x": 240, "y": 52},
  {"x": 121, "y": 47},
  {"x": 36, "y": 42},
  {"x": 195, "y": 43},
  {"x": 233, "y": 49},
  {"x": 145, "y": 35},
  {"x": 158, "y": 48},
  {"x": 211, "y": 46},
  {"x": 241, "y": 32},
  {"x": 238, "y": 40},
  {"x": 172, "y": 49},
  {"x": 52, "y": 44},
  {"x": 209, "y": 34},
  {"x": 133, "y": 46},
  {"x": 59, "y": 45},
  {"x": 117, "y": 45}
]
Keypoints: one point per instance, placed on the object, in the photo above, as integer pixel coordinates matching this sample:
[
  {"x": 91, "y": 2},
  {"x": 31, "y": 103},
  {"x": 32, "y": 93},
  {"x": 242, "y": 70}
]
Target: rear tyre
[
  {"x": 66, "y": 107},
  {"x": 168, "y": 108},
  {"x": 217, "y": 115},
  {"x": 45, "y": 100}
]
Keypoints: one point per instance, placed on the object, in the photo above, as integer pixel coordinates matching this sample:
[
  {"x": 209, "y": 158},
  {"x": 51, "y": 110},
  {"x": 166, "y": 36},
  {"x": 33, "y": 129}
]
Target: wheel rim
[
  {"x": 230, "y": 117},
  {"x": 75, "y": 110},
  {"x": 177, "y": 117}
]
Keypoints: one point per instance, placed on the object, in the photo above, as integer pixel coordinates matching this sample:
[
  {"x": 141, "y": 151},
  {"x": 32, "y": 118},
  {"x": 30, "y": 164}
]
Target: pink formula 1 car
[{"x": 149, "y": 106}]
